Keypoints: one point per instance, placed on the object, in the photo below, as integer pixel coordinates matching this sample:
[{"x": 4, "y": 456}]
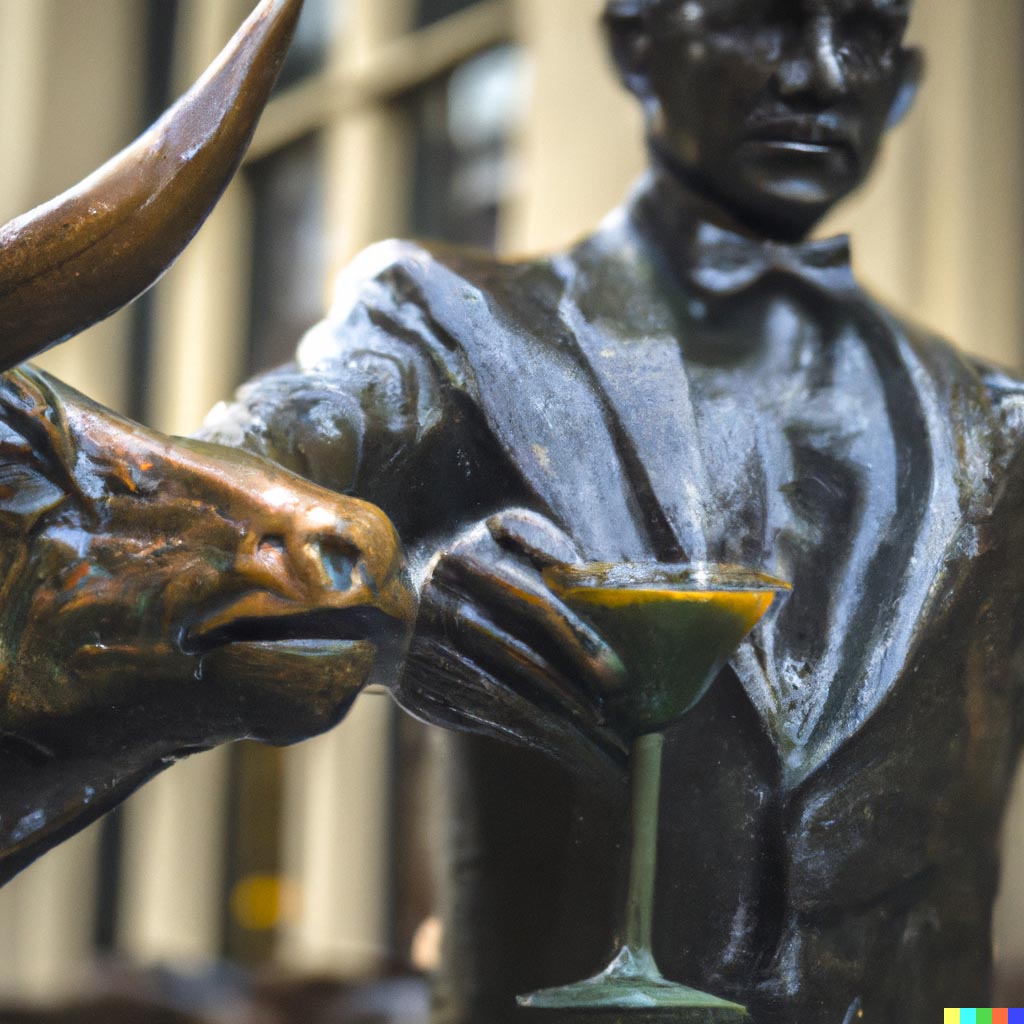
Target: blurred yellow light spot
[
  {"x": 426, "y": 945},
  {"x": 261, "y": 903}
]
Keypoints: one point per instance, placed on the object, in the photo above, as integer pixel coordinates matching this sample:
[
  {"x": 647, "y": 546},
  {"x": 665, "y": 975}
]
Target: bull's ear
[
  {"x": 25, "y": 495},
  {"x": 36, "y": 455},
  {"x": 84, "y": 255}
]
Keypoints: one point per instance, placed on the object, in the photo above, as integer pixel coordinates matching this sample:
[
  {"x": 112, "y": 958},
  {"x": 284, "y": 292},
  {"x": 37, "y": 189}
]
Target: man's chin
[
  {"x": 778, "y": 189},
  {"x": 787, "y": 205},
  {"x": 802, "y": 175}
]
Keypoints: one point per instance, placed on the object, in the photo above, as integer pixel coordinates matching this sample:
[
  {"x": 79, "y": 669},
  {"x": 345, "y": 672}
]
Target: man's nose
[{"x": 815, "y": 67}]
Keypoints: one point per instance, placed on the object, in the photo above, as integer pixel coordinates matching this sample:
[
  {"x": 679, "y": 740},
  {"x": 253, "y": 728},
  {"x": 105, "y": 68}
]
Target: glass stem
[{"x": 645, "y": 780}]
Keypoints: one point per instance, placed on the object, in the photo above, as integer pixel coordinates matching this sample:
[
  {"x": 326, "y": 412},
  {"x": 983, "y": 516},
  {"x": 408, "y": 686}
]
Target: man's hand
[{"x": 496, "y": 653}]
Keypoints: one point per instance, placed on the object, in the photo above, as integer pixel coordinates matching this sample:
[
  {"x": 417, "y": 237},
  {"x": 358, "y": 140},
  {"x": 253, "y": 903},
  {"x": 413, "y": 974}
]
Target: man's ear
[
  {"x": 629, "y": 44},
  {"x": 912, "y": 69}
]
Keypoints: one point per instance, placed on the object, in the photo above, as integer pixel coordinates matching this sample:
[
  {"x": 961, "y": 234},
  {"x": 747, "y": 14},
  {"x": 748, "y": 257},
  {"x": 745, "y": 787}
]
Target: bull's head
[{"x": 158, "y": 596}]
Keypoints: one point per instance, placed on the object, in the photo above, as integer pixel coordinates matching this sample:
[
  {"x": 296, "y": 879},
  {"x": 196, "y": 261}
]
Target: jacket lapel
[
  {"x": 634, "y": 360},
  {"x": 926, "y": 372},
  {"x": 545, "y": 414}
]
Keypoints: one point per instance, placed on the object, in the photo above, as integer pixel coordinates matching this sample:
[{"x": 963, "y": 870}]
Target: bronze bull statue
[{"x": 158, "y": 596}]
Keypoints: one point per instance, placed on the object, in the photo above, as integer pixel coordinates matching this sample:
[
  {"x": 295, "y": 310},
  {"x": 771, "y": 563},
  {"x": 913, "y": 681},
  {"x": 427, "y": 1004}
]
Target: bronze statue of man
[{"x": 695, "y": 381}]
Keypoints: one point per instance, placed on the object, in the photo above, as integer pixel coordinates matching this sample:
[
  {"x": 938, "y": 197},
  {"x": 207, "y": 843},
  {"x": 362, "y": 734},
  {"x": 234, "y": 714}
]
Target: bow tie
[{"x": 724, "y": 264}]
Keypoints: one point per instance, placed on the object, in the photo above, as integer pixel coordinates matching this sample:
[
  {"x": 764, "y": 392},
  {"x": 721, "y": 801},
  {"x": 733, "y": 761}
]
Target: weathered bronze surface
[
  {"x": 694, "y": 381},
  {"x": 158, "y": 596}
]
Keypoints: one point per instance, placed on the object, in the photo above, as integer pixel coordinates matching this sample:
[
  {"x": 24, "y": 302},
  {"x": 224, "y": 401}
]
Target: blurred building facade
[{"x": 489, "y": 122}]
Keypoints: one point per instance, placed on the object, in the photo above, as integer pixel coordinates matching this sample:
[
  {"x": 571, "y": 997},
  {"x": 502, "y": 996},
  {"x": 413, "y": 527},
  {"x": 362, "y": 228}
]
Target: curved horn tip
[{"x": 82, "y": 256}]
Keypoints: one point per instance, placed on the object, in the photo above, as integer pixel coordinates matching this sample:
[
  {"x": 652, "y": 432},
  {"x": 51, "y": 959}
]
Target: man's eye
[{"x": 119, "y": 485}]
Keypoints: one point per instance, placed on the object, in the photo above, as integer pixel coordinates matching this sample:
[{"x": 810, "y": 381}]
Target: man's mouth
[{"x": 821, "y": 134}]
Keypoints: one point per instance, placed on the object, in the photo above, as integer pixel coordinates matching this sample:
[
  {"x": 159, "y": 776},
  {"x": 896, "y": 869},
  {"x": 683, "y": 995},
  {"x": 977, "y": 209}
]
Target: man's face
[{"x": 775, "y": 107}]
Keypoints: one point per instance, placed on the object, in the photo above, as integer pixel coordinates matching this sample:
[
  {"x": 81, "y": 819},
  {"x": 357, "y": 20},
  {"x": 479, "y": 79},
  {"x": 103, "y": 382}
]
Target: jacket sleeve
[
  {"x": 368, "y": 394},
  {"x": 380, "y": 401}
]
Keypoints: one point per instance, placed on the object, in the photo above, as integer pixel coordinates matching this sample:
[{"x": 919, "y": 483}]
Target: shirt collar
[{"x": 717, "y": 258}]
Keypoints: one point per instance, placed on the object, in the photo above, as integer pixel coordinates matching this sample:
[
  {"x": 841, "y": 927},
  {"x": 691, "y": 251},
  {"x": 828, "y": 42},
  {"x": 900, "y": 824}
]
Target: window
[
  {"x": 429, "y": 11},
  {"x": 463, "y": 167},
  {"x": 288, "y": 207}
]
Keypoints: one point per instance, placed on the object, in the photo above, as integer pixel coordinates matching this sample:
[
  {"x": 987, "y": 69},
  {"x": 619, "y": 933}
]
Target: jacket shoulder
[
  {"x": 401, "y": 295},
  {"x": 1000, "y": 383},
  {"x": 1005, "y": 391},
  {"x": 426, "y": 273},
  {"x": 977, "y": 385},
  {"x": 962, "y": 370}
]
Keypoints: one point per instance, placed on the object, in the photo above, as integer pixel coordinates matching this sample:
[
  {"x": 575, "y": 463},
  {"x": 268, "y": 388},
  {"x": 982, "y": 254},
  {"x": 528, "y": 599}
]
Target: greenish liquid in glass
[{"x": 672, "y": 644}]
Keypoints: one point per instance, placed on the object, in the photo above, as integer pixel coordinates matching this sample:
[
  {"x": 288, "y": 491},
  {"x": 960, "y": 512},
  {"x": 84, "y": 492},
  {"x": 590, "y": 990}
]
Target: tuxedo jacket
[{"x": 825, "y": 860}]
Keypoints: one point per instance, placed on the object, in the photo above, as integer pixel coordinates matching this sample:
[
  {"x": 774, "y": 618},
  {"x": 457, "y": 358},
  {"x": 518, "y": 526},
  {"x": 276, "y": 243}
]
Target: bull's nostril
[
  {"x": 272, "y": 545},
  {"x": 339, "y": 565},
  {"x": 272, "y": 554}
]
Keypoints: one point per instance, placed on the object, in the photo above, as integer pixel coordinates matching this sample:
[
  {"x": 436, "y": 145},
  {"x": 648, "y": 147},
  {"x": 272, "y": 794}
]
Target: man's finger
[
  {"x": 466, "y": 668},
  {"x": 522, "y": 606},
  {"x": 524, "y": 532},
  {"x": 506, "y": 657}
]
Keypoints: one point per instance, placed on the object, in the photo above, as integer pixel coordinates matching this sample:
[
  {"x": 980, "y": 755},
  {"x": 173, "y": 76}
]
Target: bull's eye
[
  {"x": 119, "y": 484},
  {"x": 76, "y": 577},
  {"x": 338, "y": 563}
]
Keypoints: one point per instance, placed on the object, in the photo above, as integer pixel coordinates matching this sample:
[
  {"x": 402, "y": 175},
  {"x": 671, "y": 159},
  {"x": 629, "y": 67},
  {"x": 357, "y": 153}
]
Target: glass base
[{"x": 632, "y": 982}]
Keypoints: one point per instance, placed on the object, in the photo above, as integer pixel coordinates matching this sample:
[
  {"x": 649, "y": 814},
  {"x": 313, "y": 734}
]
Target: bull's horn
[{"x": 87, "y": 253}]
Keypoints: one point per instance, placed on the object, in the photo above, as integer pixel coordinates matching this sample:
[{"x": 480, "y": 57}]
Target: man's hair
[
  {"x": 614, "y": 9},
  {"x": 628, "y": 8}
]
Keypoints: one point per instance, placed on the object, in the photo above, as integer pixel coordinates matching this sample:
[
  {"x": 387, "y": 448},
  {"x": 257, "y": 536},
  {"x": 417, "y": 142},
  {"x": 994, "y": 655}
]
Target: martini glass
[{"x": 674, "y": 627}]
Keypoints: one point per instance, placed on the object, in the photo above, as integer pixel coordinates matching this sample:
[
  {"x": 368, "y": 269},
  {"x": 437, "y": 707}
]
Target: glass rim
[{"x": 650, "y": 575}]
